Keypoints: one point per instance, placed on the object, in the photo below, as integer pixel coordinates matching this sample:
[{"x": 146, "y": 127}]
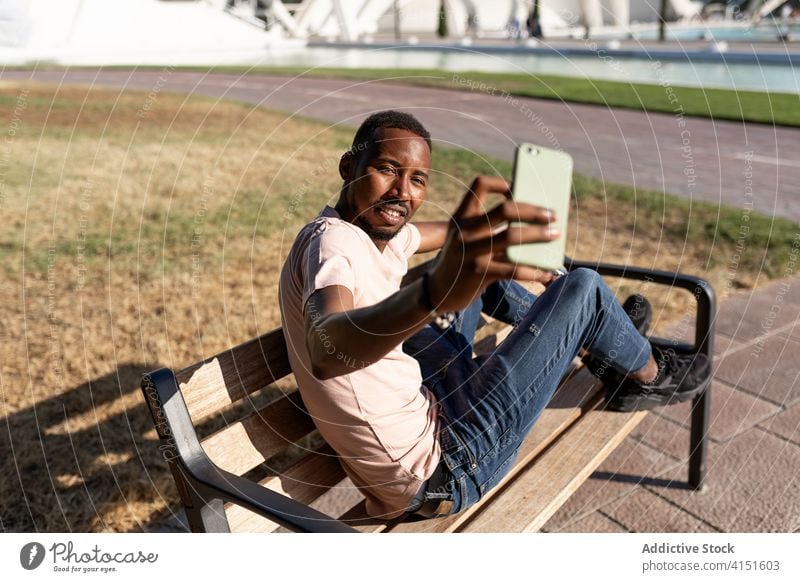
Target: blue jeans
[{"x": 488, "y": 404}]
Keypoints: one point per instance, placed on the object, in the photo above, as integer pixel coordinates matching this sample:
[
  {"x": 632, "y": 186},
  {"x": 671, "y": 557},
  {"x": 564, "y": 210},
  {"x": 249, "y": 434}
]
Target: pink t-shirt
[{"x": 380, "y": 420}]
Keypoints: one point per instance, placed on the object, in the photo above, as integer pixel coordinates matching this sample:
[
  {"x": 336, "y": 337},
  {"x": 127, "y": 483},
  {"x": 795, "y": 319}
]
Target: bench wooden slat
[
  {"x": 243, "y": 445},
  {"x": 304, "y": 481},
  {"x": 220, "y": 380},
  {"x": 526, "y": 504},
  {"x": 577, "y": 393},
  {"x": 339, "y": 500}
]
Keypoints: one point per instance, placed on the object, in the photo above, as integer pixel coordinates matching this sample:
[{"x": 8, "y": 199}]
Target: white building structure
[
  {"x": 349, "y": 20},
  {"x": 241, "y": 31},
  {"x": 230, "y": 27},
  {"x": 128, "y": 32}
]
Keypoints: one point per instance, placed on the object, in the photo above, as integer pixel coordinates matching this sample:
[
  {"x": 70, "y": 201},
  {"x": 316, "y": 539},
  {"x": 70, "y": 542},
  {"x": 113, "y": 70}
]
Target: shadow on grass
[{"x": 80, "y": 461}]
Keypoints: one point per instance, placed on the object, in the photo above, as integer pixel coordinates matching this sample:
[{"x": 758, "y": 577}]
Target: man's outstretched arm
[
  {"x": 340, "y": 338},
  {"x": 432, "y": 235}
]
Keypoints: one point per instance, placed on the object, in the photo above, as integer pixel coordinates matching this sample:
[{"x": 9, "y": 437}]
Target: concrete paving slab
[
  {"x": 644, "y": 511},
  {"x": 793, "y": 332},
  {"x": 631, "y": 464},
  {"x": 732, "y": 412},
  {"x": 595, "y": 522},
  {"x": 753, "y": 485},
  {"x": 665, "y": 435},
  {"x": 786, "y": 424},
  {"x": 685, "y": 333},
  {"x": 792, "y": 288},
  {"x": 722, "y": 344},
  {"x": 767, "y": 370},
  {"x": 744, "y": 317}
]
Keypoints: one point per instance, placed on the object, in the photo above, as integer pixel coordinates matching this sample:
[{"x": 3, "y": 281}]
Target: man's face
[{"x": 385, "y": 185}]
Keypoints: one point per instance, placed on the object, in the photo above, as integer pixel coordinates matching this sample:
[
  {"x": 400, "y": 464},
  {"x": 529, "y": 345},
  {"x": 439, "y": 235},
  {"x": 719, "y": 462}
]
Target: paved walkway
[
  {"x": 753, "y": 484},
  {"x": 740, "y": 164}
]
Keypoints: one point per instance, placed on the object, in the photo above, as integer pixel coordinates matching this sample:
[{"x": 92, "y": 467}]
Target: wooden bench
[{"x": 222, "y": 424}]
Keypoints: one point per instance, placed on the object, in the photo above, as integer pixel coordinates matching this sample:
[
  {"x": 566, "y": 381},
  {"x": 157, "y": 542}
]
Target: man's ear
[{"x": 347, "y": 166}]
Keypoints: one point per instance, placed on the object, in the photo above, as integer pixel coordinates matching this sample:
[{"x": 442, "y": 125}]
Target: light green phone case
[{"x": 543, "y": 177}]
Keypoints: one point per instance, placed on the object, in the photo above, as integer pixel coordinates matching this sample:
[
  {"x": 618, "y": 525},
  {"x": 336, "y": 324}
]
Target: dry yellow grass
[{"x": 138, "y": 241}]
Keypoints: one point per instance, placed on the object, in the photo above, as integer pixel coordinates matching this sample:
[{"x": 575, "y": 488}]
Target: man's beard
[{"x": 374, "y": 233}]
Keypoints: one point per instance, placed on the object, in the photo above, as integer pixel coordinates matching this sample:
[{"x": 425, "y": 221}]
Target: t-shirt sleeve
[{"x": 329, "y": 261}]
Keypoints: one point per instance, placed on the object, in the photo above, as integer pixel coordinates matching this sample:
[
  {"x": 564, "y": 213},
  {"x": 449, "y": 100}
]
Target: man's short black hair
[{"x": 365, "y": 136}]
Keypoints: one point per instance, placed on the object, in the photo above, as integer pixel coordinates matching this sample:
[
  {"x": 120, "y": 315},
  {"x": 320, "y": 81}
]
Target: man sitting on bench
[{"x": 418, "y": 423}]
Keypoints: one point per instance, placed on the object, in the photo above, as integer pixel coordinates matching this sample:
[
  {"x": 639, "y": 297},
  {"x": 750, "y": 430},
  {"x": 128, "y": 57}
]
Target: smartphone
[{"x": 543, "y": 176}]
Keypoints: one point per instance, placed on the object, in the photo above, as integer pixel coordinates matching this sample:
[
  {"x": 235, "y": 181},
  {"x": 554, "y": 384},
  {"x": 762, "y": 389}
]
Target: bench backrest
[{"x": 213, "y": 384}]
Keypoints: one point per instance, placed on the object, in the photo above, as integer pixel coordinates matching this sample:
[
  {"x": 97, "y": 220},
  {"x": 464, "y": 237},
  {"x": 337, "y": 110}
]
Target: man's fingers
[
  {"x": 509, "y": 211},
  {"x": 473, "y": 202},
  {"x": 543, "y": 277},
  {"x": 504, "y": 269},
  {"x": 513, "y": 235}
]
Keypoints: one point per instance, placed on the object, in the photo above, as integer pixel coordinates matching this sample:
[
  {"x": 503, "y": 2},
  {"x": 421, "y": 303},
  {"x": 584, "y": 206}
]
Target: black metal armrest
[
  {"x": 699, "y": 288},
  {"x": 181, "y": 448},
  {"x": 703, "y": 343},
  {"x": 274, "y": 506}
]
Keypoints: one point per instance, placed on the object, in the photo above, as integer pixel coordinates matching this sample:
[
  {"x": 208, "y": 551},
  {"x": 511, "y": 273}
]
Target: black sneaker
[
  {"x": 680, "y": 377},
  {"x": 640, "y": 312}
]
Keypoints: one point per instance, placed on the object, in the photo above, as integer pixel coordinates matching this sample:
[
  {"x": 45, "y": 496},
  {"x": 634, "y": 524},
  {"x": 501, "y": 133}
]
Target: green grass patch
[{"x": 737, "y": 239}]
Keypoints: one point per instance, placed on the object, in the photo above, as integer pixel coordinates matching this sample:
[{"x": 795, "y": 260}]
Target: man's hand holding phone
[
  {"x": 475, "y": 252},
  {"x": 517, "y": 239}
]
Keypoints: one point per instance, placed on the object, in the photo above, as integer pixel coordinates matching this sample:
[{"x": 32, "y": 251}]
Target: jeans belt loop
[{"x": 435, "y": 506}]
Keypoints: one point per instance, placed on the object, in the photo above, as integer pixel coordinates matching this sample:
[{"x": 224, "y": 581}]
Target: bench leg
[
  {"x": 208, "y": 516},
  {"x": 698, "y": 445}
]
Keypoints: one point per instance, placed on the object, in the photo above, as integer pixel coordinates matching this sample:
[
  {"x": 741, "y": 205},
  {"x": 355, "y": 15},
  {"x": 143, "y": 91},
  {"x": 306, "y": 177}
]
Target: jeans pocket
[
  {"x": 506, "y": 438},
  {"x": 498, "y": 474},
  {"x": 455, "y": 452}
]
